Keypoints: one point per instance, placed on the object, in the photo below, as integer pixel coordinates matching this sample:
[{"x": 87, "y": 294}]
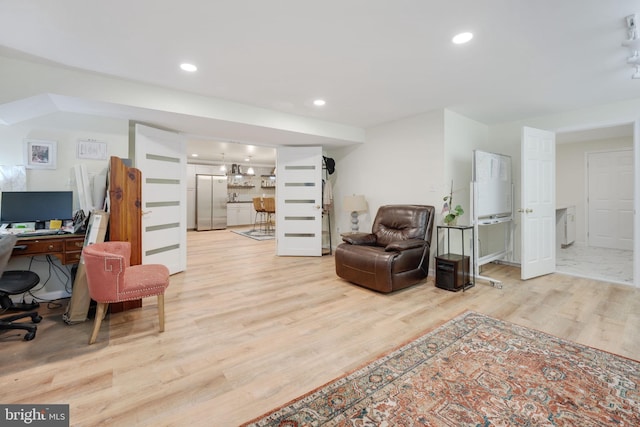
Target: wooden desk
[{"x": 66, "y": 247}]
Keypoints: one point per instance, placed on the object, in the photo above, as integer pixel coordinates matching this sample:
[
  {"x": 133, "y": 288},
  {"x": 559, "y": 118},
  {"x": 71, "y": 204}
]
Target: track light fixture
[{"x": 632, "y": 42}]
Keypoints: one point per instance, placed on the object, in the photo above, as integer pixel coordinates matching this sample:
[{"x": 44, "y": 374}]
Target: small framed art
[
  {"x": 40, "y": 154},
  {"x": 91, "y": 149}
]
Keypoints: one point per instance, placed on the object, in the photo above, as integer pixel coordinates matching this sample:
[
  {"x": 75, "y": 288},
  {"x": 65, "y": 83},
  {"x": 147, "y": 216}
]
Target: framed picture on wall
[
  {"x": 40, "y": 154},
  {"x": 91, "y": 149}
]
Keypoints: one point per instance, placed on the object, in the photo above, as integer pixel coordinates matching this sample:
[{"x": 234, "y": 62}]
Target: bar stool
[
  {"x": 259, "y": 208},
  {"x": 270, "y": 209}
]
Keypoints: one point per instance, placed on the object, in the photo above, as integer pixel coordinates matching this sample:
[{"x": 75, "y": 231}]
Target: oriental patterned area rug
[
  {"x": 256, "y": 234},
  {"x": 476, "y": 371}
]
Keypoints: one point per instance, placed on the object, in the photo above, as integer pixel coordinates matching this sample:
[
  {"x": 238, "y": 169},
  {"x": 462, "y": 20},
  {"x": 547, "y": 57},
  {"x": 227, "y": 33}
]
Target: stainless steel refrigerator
[{"x": 211, "y": 202}]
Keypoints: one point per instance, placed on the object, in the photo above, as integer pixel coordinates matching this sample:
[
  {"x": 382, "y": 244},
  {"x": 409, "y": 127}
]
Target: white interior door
[
  {"x": 161, "y": 157},
  {"x": 610, "y": 199},
  {"x": 299, "y": 201},
  {"x": 538, "y": 199}
]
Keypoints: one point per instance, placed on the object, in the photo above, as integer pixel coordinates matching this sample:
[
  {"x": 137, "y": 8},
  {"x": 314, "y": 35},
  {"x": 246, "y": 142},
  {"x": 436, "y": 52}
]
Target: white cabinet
[
  {"x": 566, "y": 225},
  {"x": 570, "y": 225},
  {"x": 239, "y": 214}
]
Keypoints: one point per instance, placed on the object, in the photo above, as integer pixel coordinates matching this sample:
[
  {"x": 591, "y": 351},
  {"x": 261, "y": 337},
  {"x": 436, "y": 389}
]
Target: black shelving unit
[{"x": 453, "y": 265}]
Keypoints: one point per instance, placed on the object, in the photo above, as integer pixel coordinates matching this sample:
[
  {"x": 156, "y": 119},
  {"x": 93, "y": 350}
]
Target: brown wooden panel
[
  {"x": 125, "y": 192},
  {"x": 125, "y": 220}
]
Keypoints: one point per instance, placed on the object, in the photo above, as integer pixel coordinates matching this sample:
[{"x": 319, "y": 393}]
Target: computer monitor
[{"x": 35, "y": 206}]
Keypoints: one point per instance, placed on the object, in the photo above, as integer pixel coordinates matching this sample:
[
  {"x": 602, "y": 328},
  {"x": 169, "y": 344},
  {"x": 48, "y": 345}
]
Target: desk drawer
[
  {"x": 37, "y": 247},
  {"x": 73, "y": 250},
  {"x": 74, "y": 244},
  {"x": 72, "y": 257}
]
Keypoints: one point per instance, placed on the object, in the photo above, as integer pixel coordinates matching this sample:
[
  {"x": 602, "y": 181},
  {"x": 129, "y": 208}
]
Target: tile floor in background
[{"x": 613, "y": 265}]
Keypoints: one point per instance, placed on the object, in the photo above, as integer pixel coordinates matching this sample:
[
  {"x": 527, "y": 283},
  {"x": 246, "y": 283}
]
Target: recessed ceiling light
[
  {"x": 319, "y": 102},
  {"x": 462, "y": 38},
  {"x": 188, "y": 67},
  {"x": 194, "y": 155}
]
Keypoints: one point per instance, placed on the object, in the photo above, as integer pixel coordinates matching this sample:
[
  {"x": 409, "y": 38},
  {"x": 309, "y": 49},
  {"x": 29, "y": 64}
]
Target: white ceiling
[
  {"x": 373, "y": 61},
  {"x": 208, "y": 151}
]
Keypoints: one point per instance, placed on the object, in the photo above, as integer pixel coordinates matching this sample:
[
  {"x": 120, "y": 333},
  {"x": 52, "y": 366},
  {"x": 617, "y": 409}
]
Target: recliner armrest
[
  {"x": 363, "y": 239},
  {"x": 401, "y": 245}
]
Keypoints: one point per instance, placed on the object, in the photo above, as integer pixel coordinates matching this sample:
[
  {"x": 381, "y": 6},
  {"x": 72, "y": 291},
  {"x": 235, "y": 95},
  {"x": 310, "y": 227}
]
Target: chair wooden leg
[
  {"x": 101, "y": 311},
  {"x": 161, "y": 311}
]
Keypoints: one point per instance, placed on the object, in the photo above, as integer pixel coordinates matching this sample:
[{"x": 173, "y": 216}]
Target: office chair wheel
[
  {"x": 29, "y": 335},
  {"x": 36, "y": 318}
]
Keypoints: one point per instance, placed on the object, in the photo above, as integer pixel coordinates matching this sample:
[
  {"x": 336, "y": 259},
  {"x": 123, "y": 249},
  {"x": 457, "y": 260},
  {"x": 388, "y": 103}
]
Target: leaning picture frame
[{"x": 40, "y": 154}]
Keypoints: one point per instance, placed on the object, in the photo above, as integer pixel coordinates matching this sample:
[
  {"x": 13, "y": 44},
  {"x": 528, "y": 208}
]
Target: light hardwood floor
[{"x": 247, "y": 331}]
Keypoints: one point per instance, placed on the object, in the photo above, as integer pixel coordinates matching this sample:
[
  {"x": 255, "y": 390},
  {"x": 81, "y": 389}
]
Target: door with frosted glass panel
[{"x": 299, "y": 201}]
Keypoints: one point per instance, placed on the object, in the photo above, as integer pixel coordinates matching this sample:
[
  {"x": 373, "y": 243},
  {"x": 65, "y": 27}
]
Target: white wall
[
  {"x": 400, "y": 162},
  {"x": 462, "y": 136},
  {"x": 411, "y": 160},
  {"x": 66, "y": 129},
  {"x": 571, "y": 176}
]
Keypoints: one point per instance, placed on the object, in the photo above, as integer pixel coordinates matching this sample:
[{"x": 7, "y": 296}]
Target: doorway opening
[{"x": 588, "y": 184}]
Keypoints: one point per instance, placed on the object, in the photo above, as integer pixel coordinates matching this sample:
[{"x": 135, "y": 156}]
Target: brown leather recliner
[{"x": 395, "y": 255}]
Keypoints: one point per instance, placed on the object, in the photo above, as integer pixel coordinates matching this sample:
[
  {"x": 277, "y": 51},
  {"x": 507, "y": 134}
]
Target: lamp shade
[{"x": 355, "y": 203}]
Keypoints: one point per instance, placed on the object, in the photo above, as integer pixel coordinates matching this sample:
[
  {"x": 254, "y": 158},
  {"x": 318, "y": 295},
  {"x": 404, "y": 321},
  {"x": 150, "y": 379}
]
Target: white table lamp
[{"x": 354, "y": 204}]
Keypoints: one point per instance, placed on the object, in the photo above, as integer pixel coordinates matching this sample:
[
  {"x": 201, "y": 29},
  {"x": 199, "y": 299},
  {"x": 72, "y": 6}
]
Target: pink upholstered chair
[{"x": 111, "y": 278}]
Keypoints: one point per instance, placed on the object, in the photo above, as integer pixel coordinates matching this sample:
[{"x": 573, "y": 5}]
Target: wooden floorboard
[{"x": 247, "y": 331}]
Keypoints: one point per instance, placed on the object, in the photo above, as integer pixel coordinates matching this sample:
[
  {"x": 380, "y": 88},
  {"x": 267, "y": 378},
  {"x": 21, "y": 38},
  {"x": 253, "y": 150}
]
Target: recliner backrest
[
  {"x": 402, "y": 222},
  {"x": 7, "y": 242}
]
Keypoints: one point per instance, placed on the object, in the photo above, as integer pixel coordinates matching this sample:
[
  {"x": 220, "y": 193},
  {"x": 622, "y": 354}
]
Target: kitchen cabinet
[{"x": 240, "y": 214}]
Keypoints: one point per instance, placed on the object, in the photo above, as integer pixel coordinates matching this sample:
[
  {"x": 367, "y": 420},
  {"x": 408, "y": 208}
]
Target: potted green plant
[
  {"x": 450, "y": 213},
  {"x": 451, "y": 218}
]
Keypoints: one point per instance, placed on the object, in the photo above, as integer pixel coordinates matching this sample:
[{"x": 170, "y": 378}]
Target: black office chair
[{"x": 14, "y": 283}]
